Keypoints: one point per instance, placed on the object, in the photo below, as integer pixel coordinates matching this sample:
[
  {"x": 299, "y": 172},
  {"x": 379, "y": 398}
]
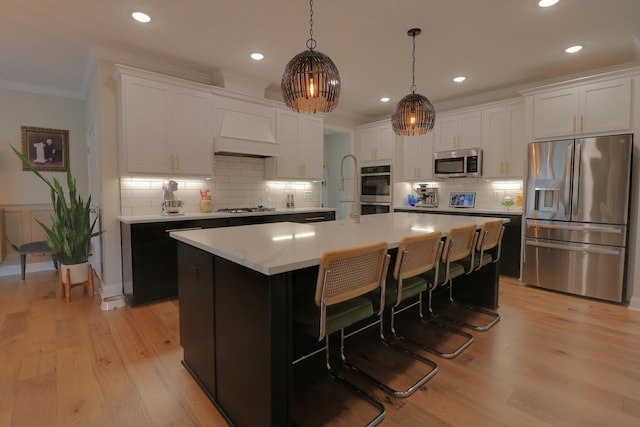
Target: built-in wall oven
[{"x": 375, "y": 189}]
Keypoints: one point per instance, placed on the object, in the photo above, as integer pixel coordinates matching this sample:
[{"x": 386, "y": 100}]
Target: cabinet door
[
  {"x": 554, "y": 113},
  {"x": 458, "y": 131},
  {"x": 196, "y": 299},
  {"x": 605, "y": 107},
  {"x": 288, "y": 137},
  {"x": 301, "y": 147},
  {"x": 367, "y": 141},
  {"x": 375, "y": 142},
  {"x": 146, "y": 126},
  {"x": 192, "y": 147},
  {"x": 418, "y": 157},
  {"x": 311, "y": 147},
  {"x": 503, "y": 143},
  {"x": 384, "y": 142}
]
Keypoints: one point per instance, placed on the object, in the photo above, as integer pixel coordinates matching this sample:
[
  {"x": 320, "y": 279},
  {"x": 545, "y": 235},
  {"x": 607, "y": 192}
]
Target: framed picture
[{"x": 46, "y": 149}]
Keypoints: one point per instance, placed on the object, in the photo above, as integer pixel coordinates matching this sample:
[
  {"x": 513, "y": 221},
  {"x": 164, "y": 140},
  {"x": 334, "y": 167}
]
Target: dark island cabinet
[
  {"x": 149, "y": 258},
  {"x": 511, "y": 239},
  {"x": 149, "y": 255},
  {"x": 196, "y": 299}
]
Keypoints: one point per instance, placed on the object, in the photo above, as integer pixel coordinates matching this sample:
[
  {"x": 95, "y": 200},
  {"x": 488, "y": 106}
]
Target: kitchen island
[{"x": 235, "y": 290}]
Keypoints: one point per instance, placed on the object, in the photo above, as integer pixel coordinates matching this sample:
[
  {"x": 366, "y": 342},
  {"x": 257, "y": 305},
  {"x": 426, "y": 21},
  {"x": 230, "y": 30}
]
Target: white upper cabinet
[
  {"x": 503, "y": 141},
  {"x": 591, "y": 108},
  {"x": 418, "y": 157},
  {"x": 300, "y": 140},
  {"x": 375, "y": 142},
  {"x": 455, "y": 131},
  {"x": 164, "y": 127}
]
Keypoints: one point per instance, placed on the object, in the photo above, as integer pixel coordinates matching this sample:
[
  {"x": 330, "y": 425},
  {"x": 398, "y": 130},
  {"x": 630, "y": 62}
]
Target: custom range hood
[{"x": 242, "y": 127}]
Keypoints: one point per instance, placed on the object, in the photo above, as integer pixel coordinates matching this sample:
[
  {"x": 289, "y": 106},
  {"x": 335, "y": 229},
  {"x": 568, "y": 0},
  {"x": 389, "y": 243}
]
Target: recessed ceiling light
[
  {"x": 257, "y": 56},
  {"x": 573, "y": 49},
  {"x": 459, "y": 79},
  {"x": 547, "y": 3},
  {"x": 384, "y": 99},
  {"x": 141, "y": 17}
]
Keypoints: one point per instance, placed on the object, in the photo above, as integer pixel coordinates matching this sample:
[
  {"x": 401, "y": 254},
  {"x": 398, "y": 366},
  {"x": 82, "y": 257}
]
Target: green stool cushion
[
  {"x": 410, "y": 288},
  {"x": 307, "y": 316}
]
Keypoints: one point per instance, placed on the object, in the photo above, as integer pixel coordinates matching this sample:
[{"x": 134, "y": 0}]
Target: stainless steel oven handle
[
  {"x": 182, "y": 229},
  {"x": 590, "y": 249},
  {"x": 575, "y": 228},
  {"x": 376, "y": 174},
  {"x": 313, "y": 218}
]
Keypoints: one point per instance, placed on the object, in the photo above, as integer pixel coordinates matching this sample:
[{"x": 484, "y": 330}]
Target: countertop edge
[{"x": 137, "y": 219}]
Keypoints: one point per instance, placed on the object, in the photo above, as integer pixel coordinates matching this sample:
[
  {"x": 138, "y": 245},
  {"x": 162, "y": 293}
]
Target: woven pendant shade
[
  {"x": 311, "y": 83},
  {"x": 414, "y": 115}
]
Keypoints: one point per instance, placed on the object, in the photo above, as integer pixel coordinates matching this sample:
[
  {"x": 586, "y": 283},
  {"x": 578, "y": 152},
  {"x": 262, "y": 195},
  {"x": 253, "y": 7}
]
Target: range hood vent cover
[{"x": 245, "y": 129}]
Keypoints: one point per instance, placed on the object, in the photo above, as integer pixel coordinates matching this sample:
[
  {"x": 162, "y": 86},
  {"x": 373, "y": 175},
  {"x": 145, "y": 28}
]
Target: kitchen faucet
[{"x": 355, "y": 210}]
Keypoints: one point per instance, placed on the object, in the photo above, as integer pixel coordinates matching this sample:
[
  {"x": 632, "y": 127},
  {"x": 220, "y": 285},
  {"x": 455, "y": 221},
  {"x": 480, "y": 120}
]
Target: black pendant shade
[
  {"x": 414, "y": 115},
  {"x": 311, "y": 83}
]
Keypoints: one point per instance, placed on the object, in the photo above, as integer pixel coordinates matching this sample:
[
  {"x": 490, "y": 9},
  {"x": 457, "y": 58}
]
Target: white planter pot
[{"x": 79, "y": 273}]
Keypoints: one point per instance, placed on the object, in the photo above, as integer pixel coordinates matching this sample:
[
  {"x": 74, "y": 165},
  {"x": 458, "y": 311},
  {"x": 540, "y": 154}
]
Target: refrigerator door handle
[
  {"x": 575, "y": 196},
  {"x": 576, "y": 228},
  {"x": 590, "y": 249}
]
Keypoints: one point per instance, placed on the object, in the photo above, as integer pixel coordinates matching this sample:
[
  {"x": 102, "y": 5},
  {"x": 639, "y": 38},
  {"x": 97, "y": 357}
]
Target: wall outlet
[
  {"x": 497, "y": 195},
  {"x": 308, "y": 195}
]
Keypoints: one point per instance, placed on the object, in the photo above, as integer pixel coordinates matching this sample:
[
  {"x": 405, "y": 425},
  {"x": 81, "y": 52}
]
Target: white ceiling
[{"x": 46, "y": 44}]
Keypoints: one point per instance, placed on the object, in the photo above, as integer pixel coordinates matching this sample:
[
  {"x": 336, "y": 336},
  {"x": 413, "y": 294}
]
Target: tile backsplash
[
  {"x": 238, "y": 182},
  {"x": 489, "y": 193}
]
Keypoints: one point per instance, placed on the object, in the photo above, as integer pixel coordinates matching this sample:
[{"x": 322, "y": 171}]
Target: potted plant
[{"x": 70, "y": 234}]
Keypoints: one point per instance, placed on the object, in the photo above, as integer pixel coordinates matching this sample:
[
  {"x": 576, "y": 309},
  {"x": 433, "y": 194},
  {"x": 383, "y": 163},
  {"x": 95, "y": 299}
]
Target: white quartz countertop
[
  {"x": 279, "y": 247},
  {"x": 212, "y": 215},
  {"x": 515, "y": 210}
]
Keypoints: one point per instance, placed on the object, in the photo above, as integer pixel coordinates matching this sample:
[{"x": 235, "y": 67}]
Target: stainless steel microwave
[{"x": 458, "y": 163}]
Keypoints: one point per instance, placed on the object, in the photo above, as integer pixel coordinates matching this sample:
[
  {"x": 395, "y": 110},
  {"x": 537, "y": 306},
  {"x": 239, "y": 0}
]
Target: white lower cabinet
[
  {"x": 503, "y": 141},
  {"x": 418, "y": 157},
  {"x": 164, "y": 127},
  {"x": 301, "y": 147}
]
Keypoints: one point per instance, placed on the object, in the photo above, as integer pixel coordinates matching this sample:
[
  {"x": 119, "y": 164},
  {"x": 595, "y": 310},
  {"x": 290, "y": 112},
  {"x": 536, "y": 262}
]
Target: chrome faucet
[{"x": 355, "y": 209}]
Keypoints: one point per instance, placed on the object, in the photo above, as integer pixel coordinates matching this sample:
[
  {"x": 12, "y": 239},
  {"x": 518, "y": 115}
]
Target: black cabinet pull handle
[{"x": 194, "y": 270}]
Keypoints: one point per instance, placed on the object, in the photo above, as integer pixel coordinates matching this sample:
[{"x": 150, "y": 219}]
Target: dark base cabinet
[
  {"x": 510, "y": 255},
  {"x": 149, "y": 258},
  {"x": 235, "y": 330},
  {"x": 149, "y": 268},
  {"x": 195, "y": 275}
]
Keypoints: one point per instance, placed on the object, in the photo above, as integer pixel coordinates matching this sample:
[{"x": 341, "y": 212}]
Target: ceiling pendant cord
[
  {"x": 311, "y": 81},
  {"x": 414, "y": 114}
]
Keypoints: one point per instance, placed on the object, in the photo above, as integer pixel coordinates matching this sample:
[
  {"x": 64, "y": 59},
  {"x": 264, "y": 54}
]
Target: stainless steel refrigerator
[{"x": 576, "y": 213}]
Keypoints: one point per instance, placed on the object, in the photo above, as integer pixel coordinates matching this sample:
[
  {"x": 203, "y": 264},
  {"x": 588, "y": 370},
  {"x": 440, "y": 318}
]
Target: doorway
[{"x": 337, "y": 144}]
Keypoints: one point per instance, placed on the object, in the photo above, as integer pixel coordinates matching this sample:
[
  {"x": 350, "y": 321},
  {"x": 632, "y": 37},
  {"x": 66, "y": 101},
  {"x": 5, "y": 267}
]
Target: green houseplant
[{"x": 70, "y": 234}]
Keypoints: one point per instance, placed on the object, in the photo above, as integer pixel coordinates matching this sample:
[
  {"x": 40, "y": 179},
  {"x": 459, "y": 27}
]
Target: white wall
[
  {"x": 239, "y": 182},
  {"x": 19, "y": 109},
  {"x": 22, "y": 194}
]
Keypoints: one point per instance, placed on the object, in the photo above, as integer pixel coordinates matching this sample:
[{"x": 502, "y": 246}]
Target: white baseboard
[
  {"x": 110, "y": 290},
  {"x": 11, "y": 270},
  {"x": 634, "y": 303}
]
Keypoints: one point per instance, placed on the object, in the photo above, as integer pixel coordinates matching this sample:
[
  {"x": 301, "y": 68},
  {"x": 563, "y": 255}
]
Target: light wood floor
[{"x": 553, "y": 360}]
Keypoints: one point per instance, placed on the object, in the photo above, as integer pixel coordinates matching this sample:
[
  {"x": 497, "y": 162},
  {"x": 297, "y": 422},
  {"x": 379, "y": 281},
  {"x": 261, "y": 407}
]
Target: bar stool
[
  {"x": 486, "y": 251},
  {"x": 344, "y": 277},
  {"x": 416, "y": 255},
  {"x": 457, "y": 246}
]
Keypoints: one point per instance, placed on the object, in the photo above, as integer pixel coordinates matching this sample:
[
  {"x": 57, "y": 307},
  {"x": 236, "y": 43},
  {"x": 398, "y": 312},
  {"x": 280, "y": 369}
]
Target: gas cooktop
[{"x": 244, "y": 210}]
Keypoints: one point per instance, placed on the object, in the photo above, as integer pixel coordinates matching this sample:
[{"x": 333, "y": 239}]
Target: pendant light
[
  {"x": 311, "y": 82},
  {"x": 414, "y": 114}
]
